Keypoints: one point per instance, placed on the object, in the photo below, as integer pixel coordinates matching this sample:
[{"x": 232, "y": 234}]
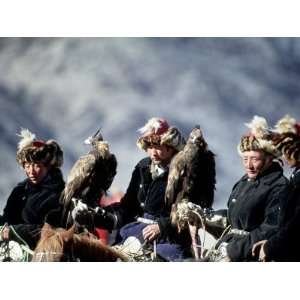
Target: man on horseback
[
  {"x": 253, "y": 205},
  {"x": 284, "y": 244},
  {"x": 142, "y": 212},
  {"x": 31, "y": 200}
]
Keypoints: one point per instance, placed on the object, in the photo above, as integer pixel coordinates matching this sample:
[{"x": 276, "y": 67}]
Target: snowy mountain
[{"x": 67, "y": 88}]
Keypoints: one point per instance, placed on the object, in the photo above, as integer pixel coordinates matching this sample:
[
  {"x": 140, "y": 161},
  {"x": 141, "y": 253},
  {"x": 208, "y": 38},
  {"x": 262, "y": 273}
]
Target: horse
[{"x": 58, "y": 245}]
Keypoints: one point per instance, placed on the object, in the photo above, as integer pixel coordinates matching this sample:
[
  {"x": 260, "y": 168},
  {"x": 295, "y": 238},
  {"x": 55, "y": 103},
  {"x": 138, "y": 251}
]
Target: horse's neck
[
  {"x": 50, "y": 248},
  {"x": 90, "y": 249}
]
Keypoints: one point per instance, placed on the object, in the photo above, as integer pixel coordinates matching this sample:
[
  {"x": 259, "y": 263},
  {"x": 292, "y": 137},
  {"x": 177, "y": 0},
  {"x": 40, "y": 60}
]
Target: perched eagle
[
  {"x": 91, "y": 176},
  {"x": 192, "y": 175}
]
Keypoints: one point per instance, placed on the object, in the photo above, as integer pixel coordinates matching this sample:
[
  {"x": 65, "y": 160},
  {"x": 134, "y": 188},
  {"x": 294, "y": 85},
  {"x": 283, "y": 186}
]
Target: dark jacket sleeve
[
  {"x": 287, "y": 240},
  {"x": 14, "y": 206},
  {"x": 129, "y": 204},
  {"x": 119, "y": 214},
  {"x": 239, "y": 249},
  {"x": 34, "y": 215},
  {"x": 167, "y": 229},
  {"x": 30, "y": 233}
]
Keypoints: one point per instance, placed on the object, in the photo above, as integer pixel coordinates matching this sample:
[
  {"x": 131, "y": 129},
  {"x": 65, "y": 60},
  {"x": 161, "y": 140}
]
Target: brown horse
[{"x": 64, "y": 245}]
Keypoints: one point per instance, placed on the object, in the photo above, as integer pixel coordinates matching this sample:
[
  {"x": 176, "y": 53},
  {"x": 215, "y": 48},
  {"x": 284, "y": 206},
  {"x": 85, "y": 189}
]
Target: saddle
[
  {"x": 138, "y": 252},
  {"x": 15, "y": 249}
]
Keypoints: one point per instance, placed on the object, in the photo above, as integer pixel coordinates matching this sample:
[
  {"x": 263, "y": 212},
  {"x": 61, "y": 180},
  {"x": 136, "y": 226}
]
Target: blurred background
[{"x": 67, "y": 88}]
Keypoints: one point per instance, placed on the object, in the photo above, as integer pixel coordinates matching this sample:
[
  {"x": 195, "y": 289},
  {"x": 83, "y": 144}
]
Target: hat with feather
[
  {"x": 32, "y": 150},
  {"x": 287, "y": 139},
  {"x": 158, "y": 132},
  {"x": 259, "y": 138}
]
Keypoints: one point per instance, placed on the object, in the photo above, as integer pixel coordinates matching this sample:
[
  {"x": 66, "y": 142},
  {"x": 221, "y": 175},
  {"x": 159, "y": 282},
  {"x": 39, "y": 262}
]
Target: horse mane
[
  {"x": 58, "y": 244},
  {"x": 91, "y": 249}
]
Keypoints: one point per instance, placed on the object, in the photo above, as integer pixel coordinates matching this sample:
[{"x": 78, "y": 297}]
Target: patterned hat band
[
  {"x": 32, "y": 150},
  {"x": 172, "y": 138},
  {"x": 289, "y": 145},
  {"x": 50, "y": 154},
  {"x": 259, "y": 138},
  {"x": 287, "y": 139},
  {"x": 251, "y": 143}
]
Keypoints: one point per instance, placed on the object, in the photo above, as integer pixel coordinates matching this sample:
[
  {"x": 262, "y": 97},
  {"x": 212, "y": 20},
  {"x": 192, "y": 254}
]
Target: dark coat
[
  {"x": 28, "y": 205},
  {"x": 284, "y": 245},
  {"x": 145, "y": 195},
  {"x": 253, "y": 206}
]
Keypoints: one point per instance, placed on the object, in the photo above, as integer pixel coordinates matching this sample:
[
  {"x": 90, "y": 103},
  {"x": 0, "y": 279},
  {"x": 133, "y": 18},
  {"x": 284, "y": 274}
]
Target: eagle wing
[
  {"x": 78, "y": 178},
  {"x": 176, "y": 172}
]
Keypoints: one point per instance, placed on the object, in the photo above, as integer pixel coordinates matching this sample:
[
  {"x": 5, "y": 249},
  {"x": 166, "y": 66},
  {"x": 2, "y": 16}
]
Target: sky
[{"x": 67, "y": 88}]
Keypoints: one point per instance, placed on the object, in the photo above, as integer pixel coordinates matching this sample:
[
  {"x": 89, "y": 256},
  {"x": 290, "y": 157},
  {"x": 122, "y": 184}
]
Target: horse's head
[
  {"x": 53, "y": 244},
  {"x": 64, "y": 245}
]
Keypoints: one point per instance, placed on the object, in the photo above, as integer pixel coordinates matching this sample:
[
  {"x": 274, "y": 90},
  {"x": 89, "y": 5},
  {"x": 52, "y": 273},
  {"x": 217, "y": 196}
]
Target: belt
[
  {"x": 240, "y": 232},
  {"x": 146, "y": 221}
]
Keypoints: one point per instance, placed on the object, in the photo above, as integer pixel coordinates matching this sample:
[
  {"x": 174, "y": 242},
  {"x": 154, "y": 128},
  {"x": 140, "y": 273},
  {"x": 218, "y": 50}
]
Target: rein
[{"x": 11, "y": 247}]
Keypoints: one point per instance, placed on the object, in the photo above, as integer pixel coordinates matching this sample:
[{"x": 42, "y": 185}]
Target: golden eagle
[
  {"x": 91, "y": 176},
  {"x": 191, "y": 179},
  {"x": 192, "y": 175}
]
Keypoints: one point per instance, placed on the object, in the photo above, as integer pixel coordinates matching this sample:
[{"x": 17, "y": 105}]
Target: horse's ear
[
  {"x": 46, "y": 231},
  {"x": 68, "y": 234}
]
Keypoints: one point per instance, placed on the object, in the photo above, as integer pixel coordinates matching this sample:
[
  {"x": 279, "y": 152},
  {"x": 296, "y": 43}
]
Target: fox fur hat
[
  {"x": 32, "y": 150},
  {"x": 158, "y": 132},
  {"x": 259, "y": 138},
  {"x": 287, "y": 140}
]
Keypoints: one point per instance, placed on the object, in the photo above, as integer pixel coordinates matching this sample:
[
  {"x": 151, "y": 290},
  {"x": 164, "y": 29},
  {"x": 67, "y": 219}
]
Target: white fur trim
[
  {"x": 151, "y": 126},
  {"x": 287, "y": 124},
  {"x": 27, "y": 138},
  {"x": 258, "y": 126}
]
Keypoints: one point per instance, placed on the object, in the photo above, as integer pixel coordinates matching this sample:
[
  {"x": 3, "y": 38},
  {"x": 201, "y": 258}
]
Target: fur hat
[
  {"x": 287, "y": 140},
  {"x": 158, "y": 132},
  {"x": 32, "y": 150},
  {"x": 259, "y": 138}
]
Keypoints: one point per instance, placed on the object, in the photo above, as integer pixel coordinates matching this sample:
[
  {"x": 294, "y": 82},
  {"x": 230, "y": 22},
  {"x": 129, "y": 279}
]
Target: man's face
[
  {"x": 35, "y": 172},
  {"x": 160, "y": 154},
  {"x": 255, "y": 162}
]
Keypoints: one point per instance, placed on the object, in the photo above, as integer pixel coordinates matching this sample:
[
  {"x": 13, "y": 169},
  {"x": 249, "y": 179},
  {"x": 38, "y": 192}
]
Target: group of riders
[{"x": 260, "y": 223}]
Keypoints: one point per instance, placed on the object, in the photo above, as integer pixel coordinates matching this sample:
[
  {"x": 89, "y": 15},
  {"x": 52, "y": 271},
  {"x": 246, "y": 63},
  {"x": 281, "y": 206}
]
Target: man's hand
[
  {"x": 260, "y": 246},
  {"x": 151, "y": 232},
  {"x": 5, "y": 233}
]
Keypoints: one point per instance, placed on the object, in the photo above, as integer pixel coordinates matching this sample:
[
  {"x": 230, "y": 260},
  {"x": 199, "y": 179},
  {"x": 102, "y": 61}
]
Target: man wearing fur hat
[
  {"x": 253, "y": 205},
  {"x": 144, "y": 197},
  {"x": 33, "y": 198},
  {"x": 284, "y": 245}
]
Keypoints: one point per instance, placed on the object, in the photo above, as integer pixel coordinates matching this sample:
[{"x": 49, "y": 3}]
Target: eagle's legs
[
  {"x": 197, "y": 251},
  {"x": 196, "y": 221}
]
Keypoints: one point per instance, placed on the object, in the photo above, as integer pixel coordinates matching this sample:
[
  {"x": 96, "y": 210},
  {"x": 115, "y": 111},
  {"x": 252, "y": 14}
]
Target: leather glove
[
  {"x": 53, "y": 217},
  {"x": 216, "y": 218},
  {"x": 82, "y": 215},
  {"x": 105, "y": 219}
]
